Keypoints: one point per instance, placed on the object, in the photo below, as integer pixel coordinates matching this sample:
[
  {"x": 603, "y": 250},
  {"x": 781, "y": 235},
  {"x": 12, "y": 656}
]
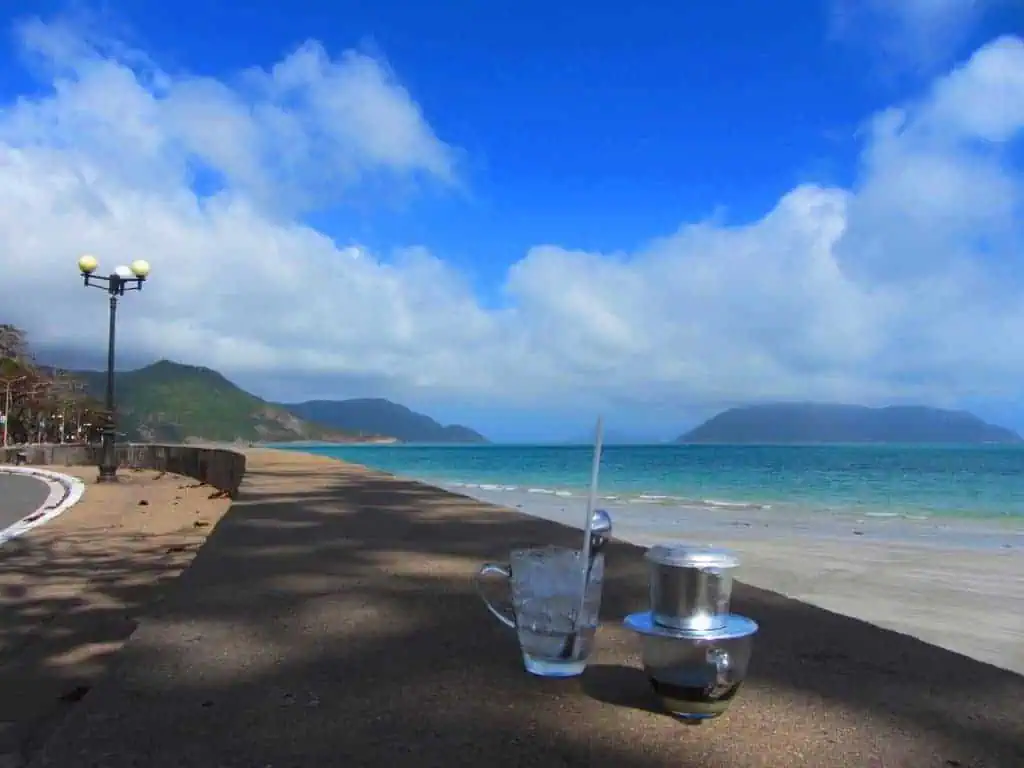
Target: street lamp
[{"x": 122, "y": 279}]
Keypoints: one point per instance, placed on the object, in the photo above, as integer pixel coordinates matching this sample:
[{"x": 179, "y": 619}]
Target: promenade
[
  {"x": 330, "y": 620},
  {"x": 73, "y": 590}
]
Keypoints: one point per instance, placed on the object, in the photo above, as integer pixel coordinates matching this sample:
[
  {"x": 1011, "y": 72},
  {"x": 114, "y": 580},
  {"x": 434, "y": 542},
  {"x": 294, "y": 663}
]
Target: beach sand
[
  {"x": 958, "y": 584},
  {"x": 73, "y": 590}
]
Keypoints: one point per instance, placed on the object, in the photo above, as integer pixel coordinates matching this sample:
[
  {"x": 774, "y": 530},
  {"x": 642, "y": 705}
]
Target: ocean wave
[
  {"x": 510, "y": 488},
  {"x": 738, "y": 505},
  {"x": 682, "y": 501},
  {"x": 662, "y": 499},
  {"x": 896, "y": 515},
  {"x": 481, "y": 486}
]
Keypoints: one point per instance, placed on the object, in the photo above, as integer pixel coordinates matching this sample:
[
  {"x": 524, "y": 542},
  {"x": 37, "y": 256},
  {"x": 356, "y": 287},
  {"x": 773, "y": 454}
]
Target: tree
[
  {"x": 16, "y": 380},
  {"x": 40, "y": 404},
  {"x": 13, "y": 343}
]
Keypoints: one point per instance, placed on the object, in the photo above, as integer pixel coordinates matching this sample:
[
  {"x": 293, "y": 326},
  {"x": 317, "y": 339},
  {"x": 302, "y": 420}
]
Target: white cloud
[
  {"x": 308, "y": 128},
  {"x": 916, "y": 33},
  {"x": 922, "y": 15},
  {"x": 907, "y": 285}
]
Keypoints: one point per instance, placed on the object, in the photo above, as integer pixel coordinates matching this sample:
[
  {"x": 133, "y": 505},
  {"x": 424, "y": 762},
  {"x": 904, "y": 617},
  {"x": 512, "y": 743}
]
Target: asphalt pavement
[{"x": 20, "y": 495}]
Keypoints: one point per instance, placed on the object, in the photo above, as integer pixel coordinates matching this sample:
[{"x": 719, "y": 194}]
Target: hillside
[
  {"x": 171, "y": 402},
  {"x": 383, "y": 417},
  {"x": 820, "y": 423}
]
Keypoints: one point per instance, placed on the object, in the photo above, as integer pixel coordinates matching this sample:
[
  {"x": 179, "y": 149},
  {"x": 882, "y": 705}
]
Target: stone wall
[
  {"x": 74, "y": 455},
  {"x": 219, "y": 467}
]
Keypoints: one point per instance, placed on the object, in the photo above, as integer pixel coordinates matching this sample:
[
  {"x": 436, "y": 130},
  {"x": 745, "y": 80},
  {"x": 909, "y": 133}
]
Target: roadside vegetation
[{"x": 39, "y": 403}]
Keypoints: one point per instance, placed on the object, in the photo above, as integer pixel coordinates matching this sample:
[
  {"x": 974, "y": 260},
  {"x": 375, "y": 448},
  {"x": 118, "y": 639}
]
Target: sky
[{"x": 518, "y": 216}]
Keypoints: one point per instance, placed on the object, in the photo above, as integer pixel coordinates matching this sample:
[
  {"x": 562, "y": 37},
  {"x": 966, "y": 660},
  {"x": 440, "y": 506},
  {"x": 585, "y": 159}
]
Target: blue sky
[
  {"x": 589, "y": 126},
  {"x": 601, "y": 130}
]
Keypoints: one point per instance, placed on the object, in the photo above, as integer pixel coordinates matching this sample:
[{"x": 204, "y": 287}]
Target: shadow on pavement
[{"x": 330, "y": 620}]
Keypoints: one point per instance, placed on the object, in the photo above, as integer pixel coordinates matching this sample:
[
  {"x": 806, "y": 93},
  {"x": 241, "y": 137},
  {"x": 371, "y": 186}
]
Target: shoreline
[
  {"x": 818, "y": 486},
  {"x": 954, "y": 586},
  {"x": 659, "y": 516},
  {"x": 776, "y": 509},
  {"x": 641, "y": 522}
]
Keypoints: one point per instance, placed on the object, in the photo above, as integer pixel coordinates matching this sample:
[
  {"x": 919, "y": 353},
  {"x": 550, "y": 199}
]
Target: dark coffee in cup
[
  {"x": 695, "y": 652},
  {"x": 694, "y": 702}
]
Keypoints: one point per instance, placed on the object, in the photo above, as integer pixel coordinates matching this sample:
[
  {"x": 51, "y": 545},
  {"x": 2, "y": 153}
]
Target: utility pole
[{"x": 8, "y": 383}]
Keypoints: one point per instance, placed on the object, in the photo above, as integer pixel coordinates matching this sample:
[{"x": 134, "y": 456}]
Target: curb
[{"x": 65, "y": 492}]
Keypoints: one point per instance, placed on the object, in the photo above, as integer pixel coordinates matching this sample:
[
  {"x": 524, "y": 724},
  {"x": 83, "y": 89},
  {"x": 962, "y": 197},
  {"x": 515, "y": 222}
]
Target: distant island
[
  {"x": 173, "y": 402},
  {"x": 382, "y": 417},
  {"x": 827, "y": 423}
]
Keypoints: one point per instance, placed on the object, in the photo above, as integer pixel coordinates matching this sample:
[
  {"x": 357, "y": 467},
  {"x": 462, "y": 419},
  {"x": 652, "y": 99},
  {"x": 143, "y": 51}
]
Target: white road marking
[{"x": 65, "y": 492}]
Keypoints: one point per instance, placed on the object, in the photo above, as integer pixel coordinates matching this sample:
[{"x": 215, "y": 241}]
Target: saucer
[{"x": 735, "y": 626}]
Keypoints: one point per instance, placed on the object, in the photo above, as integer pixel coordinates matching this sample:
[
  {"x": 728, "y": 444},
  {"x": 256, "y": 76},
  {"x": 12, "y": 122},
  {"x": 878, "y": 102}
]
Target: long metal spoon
[{"x": 600, "y": 533}]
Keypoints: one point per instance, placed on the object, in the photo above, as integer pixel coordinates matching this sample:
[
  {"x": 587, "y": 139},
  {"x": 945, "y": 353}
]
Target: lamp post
[{"x": 115, "y": 284}]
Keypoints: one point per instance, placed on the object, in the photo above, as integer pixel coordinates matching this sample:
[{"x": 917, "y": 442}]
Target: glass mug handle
[
  {"x": 488, "y": 569},
  {"x": 719, "y": 659}
]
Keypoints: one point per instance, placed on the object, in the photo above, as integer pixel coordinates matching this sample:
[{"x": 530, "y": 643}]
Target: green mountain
[
  {"x": 383, "y": 417},
  {"x": 171, "y": 402},
  {"x": 827, "y": 423}
]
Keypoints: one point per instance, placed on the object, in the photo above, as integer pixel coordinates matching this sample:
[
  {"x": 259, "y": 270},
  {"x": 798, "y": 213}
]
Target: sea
[{"x": 907, "y": 482}]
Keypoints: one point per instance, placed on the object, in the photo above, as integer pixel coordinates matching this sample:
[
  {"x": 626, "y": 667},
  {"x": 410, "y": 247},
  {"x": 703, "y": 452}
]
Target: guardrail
[{"x": 219, "y": 467}]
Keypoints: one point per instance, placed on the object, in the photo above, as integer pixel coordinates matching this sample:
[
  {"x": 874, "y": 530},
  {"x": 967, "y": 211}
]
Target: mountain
[
  {"x": 825, "y": 423},
  {"x": 382, "y": 417},
  {"x": 171, "y": 402}
]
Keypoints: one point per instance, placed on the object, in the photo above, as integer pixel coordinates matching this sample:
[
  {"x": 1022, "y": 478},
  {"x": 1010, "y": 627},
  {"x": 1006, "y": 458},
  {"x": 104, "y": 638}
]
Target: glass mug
[{"x": 545, "y": 583}]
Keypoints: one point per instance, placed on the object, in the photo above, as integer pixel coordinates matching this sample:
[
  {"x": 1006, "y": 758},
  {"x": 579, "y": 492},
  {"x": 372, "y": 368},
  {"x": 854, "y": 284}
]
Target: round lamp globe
[
  {"x": 140, "y": 268},
  {"x": 88, "y": 264}
]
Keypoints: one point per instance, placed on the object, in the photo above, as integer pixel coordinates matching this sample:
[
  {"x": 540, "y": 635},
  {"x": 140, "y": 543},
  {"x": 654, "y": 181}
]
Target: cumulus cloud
[
  {"x": 306, "y": 129},
  {"x": 905, "y": 286}
]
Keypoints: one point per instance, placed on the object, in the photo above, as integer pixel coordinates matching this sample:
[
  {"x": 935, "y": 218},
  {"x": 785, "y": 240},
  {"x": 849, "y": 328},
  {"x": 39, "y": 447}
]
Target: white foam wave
[
  {"x": 896, "y": 515},
  {"x": 482, "y": 486},
  {"x": 740, "y": 505},
  {"x": 662, "y": 499}
]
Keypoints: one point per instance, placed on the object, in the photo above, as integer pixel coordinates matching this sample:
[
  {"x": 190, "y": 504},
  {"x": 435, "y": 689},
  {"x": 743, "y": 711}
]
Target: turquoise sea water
[{"x": 908, "y": 481}]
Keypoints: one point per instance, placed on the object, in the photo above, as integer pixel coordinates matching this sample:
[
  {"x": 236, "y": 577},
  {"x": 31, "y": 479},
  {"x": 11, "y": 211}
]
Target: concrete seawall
[{"x": 220, "y": 467}]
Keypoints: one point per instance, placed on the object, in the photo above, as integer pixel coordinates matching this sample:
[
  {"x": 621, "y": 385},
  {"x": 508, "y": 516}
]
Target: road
[{"x": 20, "y": 495}]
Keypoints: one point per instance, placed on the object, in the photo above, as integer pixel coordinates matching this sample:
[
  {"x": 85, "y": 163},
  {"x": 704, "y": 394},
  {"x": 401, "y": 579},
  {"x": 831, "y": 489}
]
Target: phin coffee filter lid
[{"x": 681, "y": 555}]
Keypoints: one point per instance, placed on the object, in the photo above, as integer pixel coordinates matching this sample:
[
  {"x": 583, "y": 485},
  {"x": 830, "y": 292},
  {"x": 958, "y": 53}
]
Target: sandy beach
[{"x": 958, "y": 584}]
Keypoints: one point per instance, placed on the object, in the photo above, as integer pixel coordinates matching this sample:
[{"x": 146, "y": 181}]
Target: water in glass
[{"x": 545, "y": 585}]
